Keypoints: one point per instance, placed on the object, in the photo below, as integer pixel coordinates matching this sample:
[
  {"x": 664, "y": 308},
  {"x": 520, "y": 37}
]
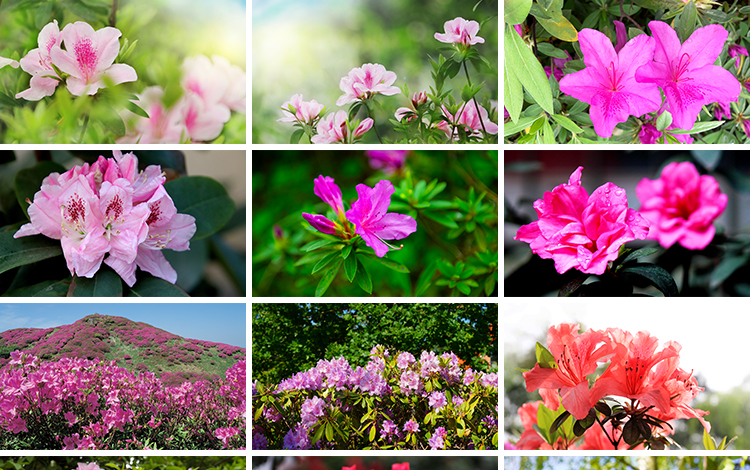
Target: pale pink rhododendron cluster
[
  {"x": 583, "y": 231},
  {"x": 111, "y": 209},
  {"x": 368, "y": 216},
  {"x": 643, "y": 377},
  {"x": 413, "y": 396},
  {"x": 85, "y": 58},
  {"x": 681, "y": 205},
  {"x": 212, "y": 89},
  {"x": 78, "y": 404}
]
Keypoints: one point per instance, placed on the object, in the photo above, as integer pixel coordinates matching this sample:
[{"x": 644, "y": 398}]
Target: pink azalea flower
[
  {"x": 162, "y": 126},
  {"x": 735, "y": 51},
  {"x": 722, "y": 111},
  {"x": 390, "y": 161},
  {"x": 649, "y": 134},
  {"x": 37, "y": 63},
  {"x": 681, "y": 206},
  {"x": 305, "y": 112},
  {"x": 581, "y": 231},
  {"x": 334, "y": 129},
  {"x": 373, "y": 224},
  {"x": 365, "y": 82},
  {"x": 234, "y": 96},
  {"x": 89, "y": 57},
  {"x": 468, "y": 116},
  {"x": 88, "y": 466},
  {"x": 608, "y": 82},
  {"x": 461, "y": 31},
  {"x": 557, "y": 67},
  {"x": 686, "y": 73},
  {"x": 203, "y": 121},
  {"x": 5, "y": 61},
  {"x": 326, "y": 189}
]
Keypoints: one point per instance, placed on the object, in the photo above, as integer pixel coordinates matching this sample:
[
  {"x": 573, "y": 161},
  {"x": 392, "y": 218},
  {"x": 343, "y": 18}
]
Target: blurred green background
[
  {"x": 307, "y": 46},
  {"x": 464, "y": 462},
  {"x": 282, "y": 189}
]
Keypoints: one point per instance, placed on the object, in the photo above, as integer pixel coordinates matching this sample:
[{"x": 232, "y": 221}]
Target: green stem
[
  {"x": 474, "y": 98},
  {"x": 369, "y": 114},
  {"x": 83, "y": 130}
]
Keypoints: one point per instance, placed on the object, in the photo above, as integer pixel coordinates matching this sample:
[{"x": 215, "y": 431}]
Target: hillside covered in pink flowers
[{"x": 136, "y": 346}]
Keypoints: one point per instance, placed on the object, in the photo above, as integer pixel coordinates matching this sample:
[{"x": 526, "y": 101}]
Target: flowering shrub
[
  {"x": 64, "y": 462},
  {"x": 682, "y": 78},
  {"x": 394, "y": 402},
  {"x": 111, "y": 218},
  {"x": 629, "y": 406},
  {"x": 83, "y": 404}
]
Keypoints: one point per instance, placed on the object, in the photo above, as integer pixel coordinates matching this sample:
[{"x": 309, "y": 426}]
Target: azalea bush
[
  {"x": 310, "y": 462},
  {"x": 669, "y": 239},
  {"x": 395, "y": 402},
  {"x": 79, "y": 404},
  {"x": 353, "y": 228},
  {"x": 113, "y": 219},
  {"x": 633, "y": 404},
  {"x": 122, "y": 463},
  {"x": 86, "y": 72},
  {"x": 622, "y": 462},
  {"x": 457, "y": 105},
  {"x": 664, "y": 71}
]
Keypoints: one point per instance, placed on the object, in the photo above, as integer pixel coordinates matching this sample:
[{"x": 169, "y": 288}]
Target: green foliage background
[
  {"x": 622, "y": 462},
  {"x": 463, "y": 462},
  {"x": 290, "y": 338},
  {"x": 136, "y": 462}
]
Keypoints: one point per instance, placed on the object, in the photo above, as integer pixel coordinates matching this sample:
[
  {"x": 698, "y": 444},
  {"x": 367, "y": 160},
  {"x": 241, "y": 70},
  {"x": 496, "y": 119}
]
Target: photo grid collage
[{"x": 130, "y": 173}]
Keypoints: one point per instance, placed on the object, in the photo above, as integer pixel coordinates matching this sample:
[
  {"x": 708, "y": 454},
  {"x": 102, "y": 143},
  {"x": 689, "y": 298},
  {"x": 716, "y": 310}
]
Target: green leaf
[
  {"x": 544, "y": 358},
  {"x": 512, "y": 94},
  {"x": 717, "y": 16},
  {"x": 559, "y": 27},
  {"x": 16, "y": 252},
  {"x": 425, "y": 279},
  {"x": 350, "y": 267},
  {"x": 440, "y": 218},
  {"x": 527, "y": 68},
  {"x": 327, "y": 279},
  {"x": 346, "y": 251},
  {"x": 516, "y": 11},
  {"x": 150, "y": 286},
  {"x": 559, "y": 421},
  {"x": 29, "y": 181},
  {"x": 105, "y": 283},
  {"x": 43, "y": 289},
  {"x": 390, "y": 264},
  {"x": 296, "y": 136},
  {"x": 656, "y": 275},
  {"x": 663, "y": 121},
  {"x": 510, "y": 128},
  {"x": 314, "y": 245},
  {"x": 567, "y": 123},
  {"x": 329, "y": 432},
  {"x": 687, "y": 21},
  {"x": 137, "y": 110},
  {"x": 708, "y": 441},
  {"x": 43, "y": 14},
  {"x": 325, "y": 261},
  {"x": 363, "y": 280},
  {"x": 205, "y": 199},
  {"x": 698, "y": 127},
  {"x": 640, "y": 253},
  {"x": 726, "y": 268},
  {"x": 548, "y": 135}
]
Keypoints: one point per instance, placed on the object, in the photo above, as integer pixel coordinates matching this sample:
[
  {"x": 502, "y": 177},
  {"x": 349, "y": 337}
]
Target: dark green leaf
[
  {"x": 296, "y": 136},
  {"x": 440, "y": 218},
  {"x": 203, "y": 198},
  {"x": 29, "y": 181},
  {"x": 363, "y": 279},
  {"x": 726, "y": 268},
  {"x": 150, "y": 286},
  {"x": 425, "y": 279},
  {"x": 43, "y": 289},
  {"x": 314, "y": 245},
  {"x": 173, "y": 159},
  {"x": 350, "y": 267},
  {"x": 390, "y": 264},
  {"x": 325, "y": 261},
  {"x": 656, "y": 275},
  {"x": 7, "y": 101},
  {"x": 327, "y": 279},
  {"x": 346, "y": 251},
  {"x": 640, "y": 253},
  {"x": 16, "y": 252},
  {"x": 687, "y": 21},
  {"x": 105, "y": 283},
  {"x": 717, "y": 16}
]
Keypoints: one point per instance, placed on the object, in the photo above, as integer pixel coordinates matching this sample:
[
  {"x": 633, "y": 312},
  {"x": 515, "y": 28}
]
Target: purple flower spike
[
  {"x": 686, "y": 72},
  {"x": 608, "y": 82},
  {"x": 372, "y": 222}
]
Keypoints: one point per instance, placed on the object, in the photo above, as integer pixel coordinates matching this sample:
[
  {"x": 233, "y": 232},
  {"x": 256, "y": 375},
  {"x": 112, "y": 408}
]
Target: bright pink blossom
[
  {"x": 685, "y": 72},
  {"x": 390, "y": 161},
  {"x": 608, "y": 82},
  {"x": 735, "y": 51},
  {"x": 365, "y": 82},
  {"x": 681, "y": 206},
  {"x": 89, "y": 57},
  {"x": 326, "y": 189},
  {"x": 334, "y": 129},
  {"x": 581, "y": 231},
  {"x": 460, "y": 31},
  {"x": 373, "y": 223},
  {"x": 38, "y": 63}
]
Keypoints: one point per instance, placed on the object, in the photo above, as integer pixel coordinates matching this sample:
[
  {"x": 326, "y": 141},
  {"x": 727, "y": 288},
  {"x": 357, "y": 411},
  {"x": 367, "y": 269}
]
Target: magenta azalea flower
[
  {"x": 686, "y": 73},
  {"x": 681, "y": 206},
  {"x": 330, "y": 193},
  {"x": 373, "y": 224},
  {"x": 37, "y": 63},
  {"x": 366, "y": 81},
  {"x": 390, "y": 161},
  {"x": 581, "y": 231},
  {"x": 461, "y": 31},
  {"x": 89, "y": 57},
  {"x": 608, "y": 82},
  {"x": 735, "y": 51},
  {"x": 334, "y": 129}
]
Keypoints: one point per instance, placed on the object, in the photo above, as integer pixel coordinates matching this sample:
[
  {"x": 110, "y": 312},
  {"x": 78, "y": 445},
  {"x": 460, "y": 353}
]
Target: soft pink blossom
[
  {"x": 581, "y": 231},
  {"x": 468, "y": 116},
  {"x": 460, "y": 31},
  {"x": 334, "y": 129},
  {"x": 681, "y": 206},
  {"x": 306, "y": 112},
  {"x": 365, "y": 82},
  {"x": 89, "y": 57},
  {"x": 162, "y": 126},
  {"x": 37, "y": 63}
]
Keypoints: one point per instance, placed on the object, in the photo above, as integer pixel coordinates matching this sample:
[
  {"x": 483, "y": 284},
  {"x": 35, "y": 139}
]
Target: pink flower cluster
[
  {"x": 84, "y": 55},
  {"x": 406, "y": 390},
  {"x": 82, "y": 404},
  {"x": 460, "y": 31},
  {"x": 110, "y": 208},
  {"x": 212, "y": 88},
  {"x": 369, "y": 215},
  {"x": 648, "y": 377}
]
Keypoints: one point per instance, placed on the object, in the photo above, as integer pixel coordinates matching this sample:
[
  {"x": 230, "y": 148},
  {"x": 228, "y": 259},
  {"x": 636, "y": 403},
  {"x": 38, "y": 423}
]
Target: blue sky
[{"x": 221, "y": 323}]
